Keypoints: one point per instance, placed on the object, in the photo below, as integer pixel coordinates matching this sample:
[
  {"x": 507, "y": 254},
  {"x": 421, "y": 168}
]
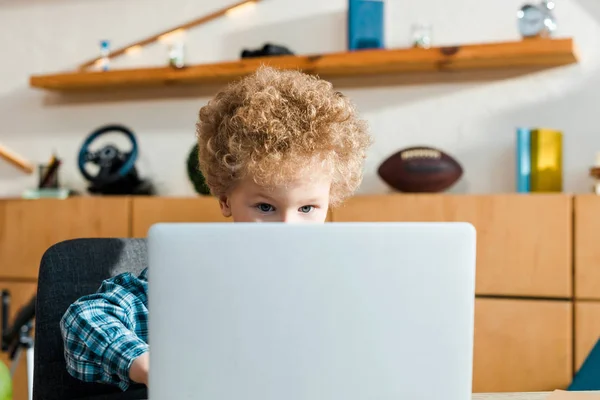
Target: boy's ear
[{"x": 224, "y": 203}]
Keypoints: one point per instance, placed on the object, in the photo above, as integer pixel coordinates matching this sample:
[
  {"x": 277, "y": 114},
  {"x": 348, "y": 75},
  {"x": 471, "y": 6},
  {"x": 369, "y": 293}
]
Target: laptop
[{"x": 336, "y": 311}]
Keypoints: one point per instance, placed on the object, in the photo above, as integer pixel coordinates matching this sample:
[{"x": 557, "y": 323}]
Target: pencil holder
[{"x": 52, "y": 181}]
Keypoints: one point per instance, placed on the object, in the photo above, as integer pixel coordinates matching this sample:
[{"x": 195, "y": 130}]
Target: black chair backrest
[{"x": 69, "y": 270}]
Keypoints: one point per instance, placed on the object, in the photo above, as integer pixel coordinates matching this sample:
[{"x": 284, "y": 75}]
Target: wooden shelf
[{"x": 531, "y": 53}]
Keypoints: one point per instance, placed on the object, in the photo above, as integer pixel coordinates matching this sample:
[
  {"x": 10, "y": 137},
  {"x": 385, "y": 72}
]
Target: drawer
[
  {"x": 523, "y": 242},
  {"x": 587, "y": 250},
  {"x": 522, "y": 345},
  {"x": 587, "y": 329},
  {"x": 20, "y": 293},
  {"x": 29, "y": 227}
]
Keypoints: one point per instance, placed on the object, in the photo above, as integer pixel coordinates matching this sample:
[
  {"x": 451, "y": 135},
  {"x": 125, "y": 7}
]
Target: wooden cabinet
[
  {"x": 523, "y": 241},
  {"x": 21, "y": 294},
  {"x": 522, "y": 345},
  {"x": 524, "y": 250},
  {"x": 523, "y": 340},
  {"x": 29, "y": 227},
  {"x": 587, "y": 329},
  {"x": 147, "y": 211},
  {"x": 587, "y": 247}
]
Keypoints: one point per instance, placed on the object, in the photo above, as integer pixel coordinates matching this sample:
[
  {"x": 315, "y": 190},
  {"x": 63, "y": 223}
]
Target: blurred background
[{"x": 481, "y": 111}]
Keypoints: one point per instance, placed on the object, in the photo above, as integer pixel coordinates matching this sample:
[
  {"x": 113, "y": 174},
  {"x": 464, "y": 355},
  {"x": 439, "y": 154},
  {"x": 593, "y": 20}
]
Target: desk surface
[
  {"x": 511, "y": 396},
  {"x": 526, "y": 396}
]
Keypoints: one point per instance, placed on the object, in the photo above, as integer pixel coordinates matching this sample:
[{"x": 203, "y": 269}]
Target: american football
[{"x": 420, "y": 170}]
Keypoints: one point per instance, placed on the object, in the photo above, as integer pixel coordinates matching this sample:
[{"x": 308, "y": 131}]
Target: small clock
[{"x": 536, "y": 21}]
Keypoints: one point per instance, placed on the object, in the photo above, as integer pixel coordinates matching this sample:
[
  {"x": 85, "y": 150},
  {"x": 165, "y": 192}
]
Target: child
[{"x": 277, "y": 146}]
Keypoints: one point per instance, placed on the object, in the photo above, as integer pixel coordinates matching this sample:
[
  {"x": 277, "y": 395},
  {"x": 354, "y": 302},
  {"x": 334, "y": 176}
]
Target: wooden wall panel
[
  {"x": 21, "y": 293},
  {"x": 587, "y": 329},
  {"x": 147, "y": 211},
  {"x": 522, "y": 345},
  {"x": 523, "y": 242},
  {"x": 29, "y": 227},
  {"x": 587, "y": 247}
]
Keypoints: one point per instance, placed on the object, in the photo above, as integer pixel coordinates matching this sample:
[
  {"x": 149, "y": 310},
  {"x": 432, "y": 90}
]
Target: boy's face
[{"x": 303, "y": 201}]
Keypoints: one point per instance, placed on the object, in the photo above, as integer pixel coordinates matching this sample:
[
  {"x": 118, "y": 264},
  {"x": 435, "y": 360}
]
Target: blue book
[
  {"x": 523, "y": 156},
  {"x": 366, "y": 24},
  {"x": 588, "y": 376}
]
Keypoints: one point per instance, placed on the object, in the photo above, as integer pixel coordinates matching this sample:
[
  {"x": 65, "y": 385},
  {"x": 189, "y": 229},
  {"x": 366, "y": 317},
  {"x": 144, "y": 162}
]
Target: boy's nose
[{"x": 289, "y": 217}]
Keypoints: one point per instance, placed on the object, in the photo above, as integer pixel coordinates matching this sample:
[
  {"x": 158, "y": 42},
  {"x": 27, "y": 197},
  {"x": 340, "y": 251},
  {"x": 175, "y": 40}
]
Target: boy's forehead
[{"x": 300, "y": 186}]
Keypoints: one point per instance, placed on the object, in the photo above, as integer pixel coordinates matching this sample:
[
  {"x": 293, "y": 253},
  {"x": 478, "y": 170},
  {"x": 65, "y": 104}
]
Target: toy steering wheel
[{"x": 114, "y": 164}]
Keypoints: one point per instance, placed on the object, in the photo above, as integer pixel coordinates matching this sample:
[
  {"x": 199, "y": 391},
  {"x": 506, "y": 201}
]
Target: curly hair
[{"x": 272, "y": 124}]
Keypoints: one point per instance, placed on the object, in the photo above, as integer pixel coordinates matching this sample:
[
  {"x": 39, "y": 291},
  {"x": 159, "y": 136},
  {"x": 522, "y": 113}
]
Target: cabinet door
[
  {"x": 29, "y": 227},
  {"x": 523, "y": 242},
  {"x": 147, "y": 211},
  {"x": 522, "y": 345},
  {"x": 587, "y": 330},
  {"x": 20, "y": 294},
  {"x": 587, "y": 247}
]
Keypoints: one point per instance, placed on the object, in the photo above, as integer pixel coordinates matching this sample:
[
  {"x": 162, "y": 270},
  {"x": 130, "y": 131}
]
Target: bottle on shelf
[
  {"x": 104, "y": 52},
  {"x": 595, "y": 173},
  {"x": 177, "y": 54}
]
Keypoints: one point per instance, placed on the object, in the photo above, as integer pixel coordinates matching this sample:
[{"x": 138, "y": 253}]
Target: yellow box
[{"x": 546, "y": 160}]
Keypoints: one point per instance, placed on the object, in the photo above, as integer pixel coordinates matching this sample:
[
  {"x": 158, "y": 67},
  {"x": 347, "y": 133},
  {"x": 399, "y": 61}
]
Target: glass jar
[{"x": 421, "y": 35}]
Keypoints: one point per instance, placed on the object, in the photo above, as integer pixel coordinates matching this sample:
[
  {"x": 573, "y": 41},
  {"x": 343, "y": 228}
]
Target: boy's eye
[
  {"x": 306, "y": 209},
  {"x": 264, "y": 207}
]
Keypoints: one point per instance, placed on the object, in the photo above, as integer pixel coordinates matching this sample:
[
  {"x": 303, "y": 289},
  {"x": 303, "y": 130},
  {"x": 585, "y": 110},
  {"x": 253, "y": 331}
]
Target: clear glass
[{"x": 421, "y": 35}]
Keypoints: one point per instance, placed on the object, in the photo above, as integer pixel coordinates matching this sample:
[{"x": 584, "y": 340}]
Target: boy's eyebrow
[
  {"x": 264, "y": 196},
  {"x": 312, "y": 200}
]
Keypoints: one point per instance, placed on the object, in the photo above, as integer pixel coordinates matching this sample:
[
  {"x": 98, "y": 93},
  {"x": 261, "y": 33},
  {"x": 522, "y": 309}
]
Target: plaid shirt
[{"x": 104, "y": 332}]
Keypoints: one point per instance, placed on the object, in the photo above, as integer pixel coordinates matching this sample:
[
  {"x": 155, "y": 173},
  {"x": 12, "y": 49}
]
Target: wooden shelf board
[{"x": 530, "y": 53}]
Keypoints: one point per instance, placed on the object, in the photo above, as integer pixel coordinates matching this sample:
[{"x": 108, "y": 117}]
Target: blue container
[{"x": 366, "y": 24}]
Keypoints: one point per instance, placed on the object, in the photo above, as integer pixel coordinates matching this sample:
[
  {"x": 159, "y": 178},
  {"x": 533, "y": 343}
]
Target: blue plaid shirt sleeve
[{"x": 104, "y": 332}]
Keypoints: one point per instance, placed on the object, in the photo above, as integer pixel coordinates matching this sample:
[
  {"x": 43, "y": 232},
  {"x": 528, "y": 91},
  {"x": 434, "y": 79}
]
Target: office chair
[{"x": 69, "y": 270}]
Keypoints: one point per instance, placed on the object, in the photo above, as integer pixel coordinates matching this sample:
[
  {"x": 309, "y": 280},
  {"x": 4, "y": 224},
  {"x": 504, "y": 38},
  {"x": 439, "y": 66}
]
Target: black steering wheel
[{"x": 114, "y": 164}]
